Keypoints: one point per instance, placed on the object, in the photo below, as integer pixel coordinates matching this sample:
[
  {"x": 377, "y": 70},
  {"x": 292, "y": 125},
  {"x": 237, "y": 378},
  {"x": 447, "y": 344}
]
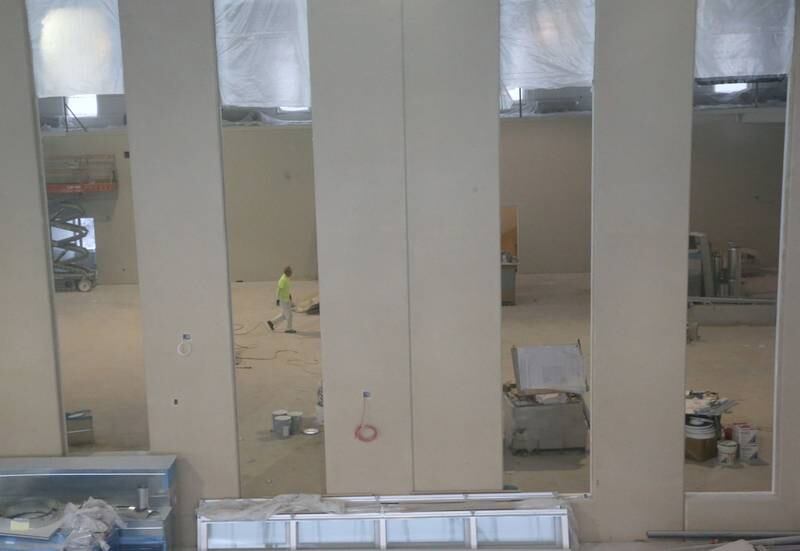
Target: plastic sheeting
[
  {"x": 743, "y": 38},
  {"x": 262, "y": 509},
  {"x": 262, "y": 53},
  {"x": 76, "y": 47},
  {"x": 262, "y": 46},
  {"x": 546, "y": 43},
  {"x": 88, "y": 525},
  {"x": 554, "y": 368}
]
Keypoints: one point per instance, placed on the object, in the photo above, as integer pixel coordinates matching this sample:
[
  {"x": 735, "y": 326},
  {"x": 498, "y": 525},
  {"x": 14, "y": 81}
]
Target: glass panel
[
  {"x": 518, "y": 530},
  {"x": 337, "y": 533},
  {"x": 248, "y": 535},
  {"x": 403, "y": 533}
]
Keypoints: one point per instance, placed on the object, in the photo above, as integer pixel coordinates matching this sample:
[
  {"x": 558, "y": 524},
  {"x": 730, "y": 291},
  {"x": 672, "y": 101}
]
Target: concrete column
[
  {"x": 643, "y": 81},
  {"x": 169, "y": 59},
  {"x": 452, "y": 139},
  {"x": 359, "y": 177},
  {"x": 30, "y": 404}
]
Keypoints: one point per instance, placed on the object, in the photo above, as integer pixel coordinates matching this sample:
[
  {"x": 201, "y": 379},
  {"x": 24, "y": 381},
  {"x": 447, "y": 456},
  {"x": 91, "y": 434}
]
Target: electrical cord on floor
[
  {"x": 364, "y": 431},
  {"x": 270, "y": 358},
  {"x": 238, "y": 328}
]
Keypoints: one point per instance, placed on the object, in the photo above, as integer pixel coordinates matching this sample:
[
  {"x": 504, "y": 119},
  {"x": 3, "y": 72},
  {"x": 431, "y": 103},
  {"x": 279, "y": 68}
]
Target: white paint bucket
[
  {"x": 726, "y": 452},
  {"x": 297, "y": 422},
  {"x": 281, "y": 426},
  {"x": 748, "y": 453},
  {"x": 700, "y": 429}
]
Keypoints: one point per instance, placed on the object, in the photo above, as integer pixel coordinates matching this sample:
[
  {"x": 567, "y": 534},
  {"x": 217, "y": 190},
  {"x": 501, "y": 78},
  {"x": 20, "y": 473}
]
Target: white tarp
[
  {"x": 76, "y": 47},
  {"x": 555, "y": 368},
  {"x": 262, "y": 46},
  {"x": 546, "y": 43},
  {"x": 743, "y": 38},
  {"x": 262, "y": 53}
]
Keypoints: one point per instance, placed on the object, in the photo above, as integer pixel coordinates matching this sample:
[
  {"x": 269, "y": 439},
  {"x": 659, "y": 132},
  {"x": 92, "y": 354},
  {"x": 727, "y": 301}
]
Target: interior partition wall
[
  {"x": 30, "y": 404},
  {"x": 406, "y": 176},
  {"x": 169, "y": 59},
  {"x": 642, "y": 127}
]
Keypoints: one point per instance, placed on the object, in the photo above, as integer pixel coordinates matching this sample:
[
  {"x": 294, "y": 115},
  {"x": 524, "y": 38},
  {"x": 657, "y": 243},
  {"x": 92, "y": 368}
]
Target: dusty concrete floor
[
  {"x": 100, "y": 355},
  {"x": 100, "y": 341}
]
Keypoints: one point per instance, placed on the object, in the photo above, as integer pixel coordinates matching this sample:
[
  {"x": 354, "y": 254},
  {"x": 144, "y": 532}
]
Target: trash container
[{"x": 508, "y": 279}]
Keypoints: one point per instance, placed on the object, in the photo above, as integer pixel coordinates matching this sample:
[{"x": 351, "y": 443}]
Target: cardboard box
[{"x": 745, "y": 434}]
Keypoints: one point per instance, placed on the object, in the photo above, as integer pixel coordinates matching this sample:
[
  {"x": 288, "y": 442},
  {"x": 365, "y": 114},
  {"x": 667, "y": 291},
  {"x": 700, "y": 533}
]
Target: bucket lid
[
  {"x": 279, "y": 412},
  {"x": 727, "y": 444},
  {"x": 282, "y": 418},
  {"x": 295, "y": 414}
]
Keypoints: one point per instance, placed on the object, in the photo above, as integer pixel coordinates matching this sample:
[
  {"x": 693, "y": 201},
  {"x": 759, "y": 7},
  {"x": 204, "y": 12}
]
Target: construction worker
[{"x": 283, "y": 298}]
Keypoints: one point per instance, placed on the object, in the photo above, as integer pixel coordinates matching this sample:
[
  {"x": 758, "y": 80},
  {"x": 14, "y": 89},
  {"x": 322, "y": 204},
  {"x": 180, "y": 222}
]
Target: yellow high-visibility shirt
[{"x": 284, "y": 288}]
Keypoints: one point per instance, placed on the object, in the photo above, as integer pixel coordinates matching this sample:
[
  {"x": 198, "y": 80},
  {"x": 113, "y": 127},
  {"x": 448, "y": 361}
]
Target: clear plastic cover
[
  {"x": 546, "y": 43},
  {"x": 262, "y": 46},
  {"x": 262, "y": 53},
  {"x": 88, "y": 525},
  {"x": 262, "y": 509},
  {"x": 743, "y": 38},
  {"x": 76, "y": 47}
]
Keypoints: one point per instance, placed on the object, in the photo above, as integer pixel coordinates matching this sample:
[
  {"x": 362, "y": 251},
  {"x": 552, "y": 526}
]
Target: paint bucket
[
  {"x": 745, "y": 434},
  {"x": 700, "y": 429},
  {"x": 749, "y": 453},
  {"x": 726, "y": 452},
  {"x": 296, "y": 422},
  {"x": 281, "y": 426}
]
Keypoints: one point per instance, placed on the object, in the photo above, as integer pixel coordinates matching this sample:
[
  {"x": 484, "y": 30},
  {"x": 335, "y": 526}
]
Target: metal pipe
[
  {"x": 765, "y": 541},
  {"x": 734, "y": 270},
  {"x": 726, "y": 534},
  {"x": 143, "y": 498},
  {"x": 731, "y": 300}
]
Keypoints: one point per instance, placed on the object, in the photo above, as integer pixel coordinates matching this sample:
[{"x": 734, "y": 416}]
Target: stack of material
[
  {"x": 544, "y": 409},
  {"x": 704, "y": 410},
  {"x": 309, "y": 306},
  {"x": 746, "y": 436},
  {"x": 707, "y": 403}
]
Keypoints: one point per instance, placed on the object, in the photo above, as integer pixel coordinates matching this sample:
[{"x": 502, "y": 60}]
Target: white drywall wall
[
  {"x": 545, "y": 167},
  {"x": 545, "y": 171},
  {"x": 269, "y": 202},
  {"x": 169, "y": 59},
  {"x": 112, "y": 212},
  {"x": 454, "y": 241},
  {"x": 359, "y": 165},
  {"x": 640, "y": 216},
  {"x": 30, "y": 406},
  {"x": 737, "y": 172}
]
